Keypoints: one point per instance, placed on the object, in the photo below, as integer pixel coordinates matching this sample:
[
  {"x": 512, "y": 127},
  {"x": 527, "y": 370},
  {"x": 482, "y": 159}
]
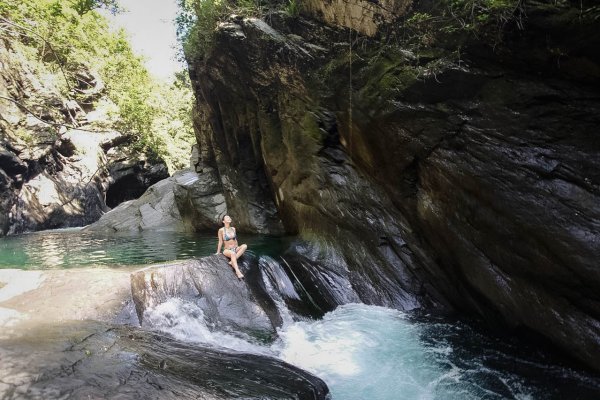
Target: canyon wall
[{"x": 455, "y": 176}]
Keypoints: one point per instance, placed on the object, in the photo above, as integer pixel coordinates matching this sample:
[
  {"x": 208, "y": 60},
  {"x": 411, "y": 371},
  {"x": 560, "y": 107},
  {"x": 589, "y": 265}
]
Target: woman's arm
[{"x": 220, "y": 235}]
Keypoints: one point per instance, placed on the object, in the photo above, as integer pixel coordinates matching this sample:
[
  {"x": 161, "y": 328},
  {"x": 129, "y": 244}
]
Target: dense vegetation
[
  {"x": 423, "y": 25},
  {"x": 426, "y": 23},
  {"x": 61, "y": 39},
  {"x": 198, "y": 19}
]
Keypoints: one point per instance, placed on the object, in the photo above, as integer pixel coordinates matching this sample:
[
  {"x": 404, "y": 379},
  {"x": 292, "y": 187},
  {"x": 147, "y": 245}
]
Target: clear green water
[
  {"x": 69, "y": 248},
  {"x": 361, "y": 351}
]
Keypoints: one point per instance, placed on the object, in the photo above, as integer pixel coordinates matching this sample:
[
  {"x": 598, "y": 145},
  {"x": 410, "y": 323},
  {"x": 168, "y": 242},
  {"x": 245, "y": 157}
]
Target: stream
[{"x": 360, "y": 351}]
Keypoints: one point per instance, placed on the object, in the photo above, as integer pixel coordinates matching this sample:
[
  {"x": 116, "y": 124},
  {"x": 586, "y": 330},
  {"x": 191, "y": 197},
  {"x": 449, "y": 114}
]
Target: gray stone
[
  {"x": 89, "y": 359},
  {"x": 228, "y": 303},
  {"x": 155, "y": 209},
  {"x": 200, "y": 198}
]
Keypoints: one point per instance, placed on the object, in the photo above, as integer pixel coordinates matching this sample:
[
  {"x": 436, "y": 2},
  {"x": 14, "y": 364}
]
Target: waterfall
[{"x": 364, "y": 351}]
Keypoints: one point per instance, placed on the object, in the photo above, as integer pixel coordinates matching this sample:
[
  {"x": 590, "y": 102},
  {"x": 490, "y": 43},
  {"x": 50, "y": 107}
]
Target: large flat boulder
[
  {"x": 155, "y": 209},
  {"x": 227, "y": 303},
  {"x": 185, "y": 201}
]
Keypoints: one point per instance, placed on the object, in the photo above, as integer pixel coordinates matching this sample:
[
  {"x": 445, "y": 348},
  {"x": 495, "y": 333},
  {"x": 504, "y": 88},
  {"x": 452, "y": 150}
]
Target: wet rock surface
[
  {"x": 228, "y": 304},
  {"x": 438, "y": 184},
  {"x": 59, "y": 340},
  {"x": 83, "y": 360},
  {"x": 317, "y": 188}
]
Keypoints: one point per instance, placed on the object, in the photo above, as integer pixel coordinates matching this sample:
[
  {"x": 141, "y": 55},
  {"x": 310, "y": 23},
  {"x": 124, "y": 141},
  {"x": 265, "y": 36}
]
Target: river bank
[
  {"x": 32, "y": 298},
  {"x": 74, "y": 333}
]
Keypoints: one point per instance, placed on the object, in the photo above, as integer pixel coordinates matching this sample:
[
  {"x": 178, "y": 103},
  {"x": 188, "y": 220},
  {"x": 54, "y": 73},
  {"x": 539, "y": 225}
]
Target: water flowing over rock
[
  {"x": 94, "y": 360},
  {"x": 227, "y": 303},
  {"x": 426, "y": 181}
]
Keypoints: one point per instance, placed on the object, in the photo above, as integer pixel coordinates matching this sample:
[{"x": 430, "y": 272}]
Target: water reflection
[{"x": 68, "y": 248}]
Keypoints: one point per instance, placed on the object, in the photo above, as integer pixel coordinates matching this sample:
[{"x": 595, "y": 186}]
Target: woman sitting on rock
[{"x": 232, "y": 250}]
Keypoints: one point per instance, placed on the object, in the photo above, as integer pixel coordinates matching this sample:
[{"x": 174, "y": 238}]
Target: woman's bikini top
[{"x": 225, "y": 237}]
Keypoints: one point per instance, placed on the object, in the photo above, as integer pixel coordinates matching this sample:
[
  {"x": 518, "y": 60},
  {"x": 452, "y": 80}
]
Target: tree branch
[
  {"x": 57, "y": 124},
  {"x": 60, "y": 63}
]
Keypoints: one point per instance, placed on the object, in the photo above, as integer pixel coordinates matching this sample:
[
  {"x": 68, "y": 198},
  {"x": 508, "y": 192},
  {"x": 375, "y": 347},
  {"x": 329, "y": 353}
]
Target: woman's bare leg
[
  {"x": 241, "y": 251},
  {"x": 233, "y": 262}
]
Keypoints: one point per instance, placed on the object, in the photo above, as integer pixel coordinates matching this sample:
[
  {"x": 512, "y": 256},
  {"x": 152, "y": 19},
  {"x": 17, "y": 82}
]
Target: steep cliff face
[{"x": 421, "y": 179}]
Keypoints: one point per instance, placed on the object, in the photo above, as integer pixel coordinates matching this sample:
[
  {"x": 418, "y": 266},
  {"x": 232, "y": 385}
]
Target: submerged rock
[{"x": 227, "y": 303}]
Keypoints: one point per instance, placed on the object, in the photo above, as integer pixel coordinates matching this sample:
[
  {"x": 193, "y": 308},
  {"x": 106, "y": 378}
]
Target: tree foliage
[
  {"x": 197, "y": 19},
  {"x": 84, "y": 6},
  {"x": 67, "y": 37}
]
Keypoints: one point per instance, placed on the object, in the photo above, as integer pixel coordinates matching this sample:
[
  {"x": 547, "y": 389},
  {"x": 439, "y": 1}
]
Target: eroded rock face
[
  {"x": 426, "y": 180},
  {"x": 130, "y": 174},
  {"x": 200, "y": 199},
  {"x": 61, "y": 190},
  {"x": 50, "y": 177},
  {"x": 155, "y": 209},
  {"x": 233, "y": 168},
  {"x": 54, "y": 176},
  {"x": 227, "y": 303},
  {"x": 318, "y": 190},
  {"x": 363, "y": 16}
]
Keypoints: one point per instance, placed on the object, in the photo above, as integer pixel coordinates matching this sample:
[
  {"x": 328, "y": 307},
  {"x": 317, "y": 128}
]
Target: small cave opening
[{"x": 129, "y": 187}]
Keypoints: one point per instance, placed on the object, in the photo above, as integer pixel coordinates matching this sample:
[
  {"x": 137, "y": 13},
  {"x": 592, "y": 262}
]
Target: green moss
[
  {"x": 378, "y": 75},
  {"x": 197, "y": 20},
  {"x": 292, "y": 8},
  {"x": 310, "y": 127}
]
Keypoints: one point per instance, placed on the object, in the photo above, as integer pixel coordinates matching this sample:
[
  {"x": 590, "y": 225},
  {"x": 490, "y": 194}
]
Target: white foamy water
[
  {"x": 368, "y": 352},
  {"x": 185, "y": 321}
]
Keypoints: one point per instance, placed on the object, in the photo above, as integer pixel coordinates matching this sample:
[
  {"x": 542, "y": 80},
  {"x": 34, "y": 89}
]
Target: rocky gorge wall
[
  {"x": 55, "y": 174},
  {"x": 418, "y": 179}
]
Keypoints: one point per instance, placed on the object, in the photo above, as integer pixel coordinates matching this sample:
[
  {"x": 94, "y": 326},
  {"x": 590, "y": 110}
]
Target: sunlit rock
[
  {"x": 363, "y": 16},
  {"x": 210, "y": 283},
  {"x": 155, "y": 209}
]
